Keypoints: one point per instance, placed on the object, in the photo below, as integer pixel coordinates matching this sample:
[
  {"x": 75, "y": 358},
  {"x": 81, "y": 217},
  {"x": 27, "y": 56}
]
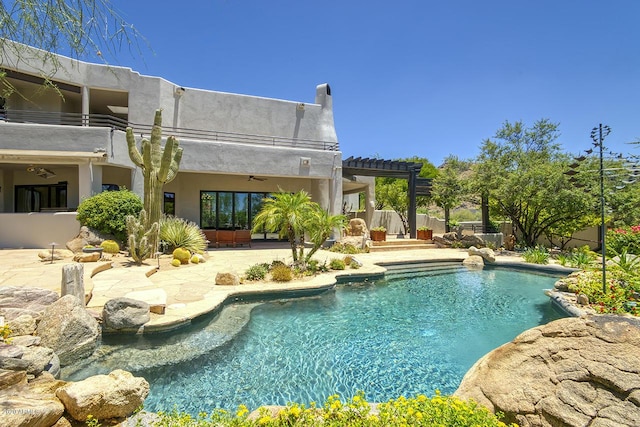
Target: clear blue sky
[{"x": 426, "y": 78}]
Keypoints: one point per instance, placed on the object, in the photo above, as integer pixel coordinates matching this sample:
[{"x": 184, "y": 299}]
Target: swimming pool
[{"x": 403, "y": 335}]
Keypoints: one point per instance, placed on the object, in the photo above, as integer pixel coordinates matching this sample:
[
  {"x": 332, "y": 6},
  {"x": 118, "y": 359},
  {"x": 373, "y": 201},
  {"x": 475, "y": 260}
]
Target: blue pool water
[{"x": 388, "y": 338}]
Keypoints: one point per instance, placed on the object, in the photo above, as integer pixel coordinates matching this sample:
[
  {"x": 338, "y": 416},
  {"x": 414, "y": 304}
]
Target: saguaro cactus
[{"x": 159, "y": 166}]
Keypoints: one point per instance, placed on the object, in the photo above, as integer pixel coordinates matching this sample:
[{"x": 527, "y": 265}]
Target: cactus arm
[
  {"x": 134, "y": 154},
  {"x": 175, "y": 166},
  {"x": 171, "y": 149}
]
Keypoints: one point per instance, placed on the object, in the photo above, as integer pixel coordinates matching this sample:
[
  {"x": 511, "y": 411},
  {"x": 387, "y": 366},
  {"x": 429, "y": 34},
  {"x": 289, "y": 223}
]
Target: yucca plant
[
  {"x": 180, "y": 233},
  {"x": 537, "y": 255}
]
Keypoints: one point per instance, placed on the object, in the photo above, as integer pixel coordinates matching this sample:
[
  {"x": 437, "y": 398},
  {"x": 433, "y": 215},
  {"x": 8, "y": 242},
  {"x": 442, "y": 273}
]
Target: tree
[
  {"x": 522, "y": 173},
  {"x": 74, "y": 28},
  {"x": 286, "y": 214},
  {"x": 320, "y": 226},
  {"x": 449, "y": 188}
]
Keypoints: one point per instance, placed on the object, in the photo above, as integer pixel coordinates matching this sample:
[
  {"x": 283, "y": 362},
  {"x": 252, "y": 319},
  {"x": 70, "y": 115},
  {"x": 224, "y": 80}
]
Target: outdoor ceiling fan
[
  {"x": 41, "y": 172},
  {"x": 255, "y": 178}
]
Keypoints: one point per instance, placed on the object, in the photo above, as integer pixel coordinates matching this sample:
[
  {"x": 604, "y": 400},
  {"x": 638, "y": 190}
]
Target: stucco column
[
  {"x": 89, "y": 180},
  {"x": 85, "y": 106},
  {"x": 320, "y": 193},
  {"x": 370, "y": 201},
  {"x": 335, "y": 192}
]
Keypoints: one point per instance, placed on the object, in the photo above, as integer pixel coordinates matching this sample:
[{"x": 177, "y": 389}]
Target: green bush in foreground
[{"x": 445, "y": 411}]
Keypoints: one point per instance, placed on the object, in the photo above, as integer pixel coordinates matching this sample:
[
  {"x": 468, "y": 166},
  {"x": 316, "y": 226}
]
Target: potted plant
[
  {"x": 378, "y": 234},
  {"x": 425, "y": 233}
]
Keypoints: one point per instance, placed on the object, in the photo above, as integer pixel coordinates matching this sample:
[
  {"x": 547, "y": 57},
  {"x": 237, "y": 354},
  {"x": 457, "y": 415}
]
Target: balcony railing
[{"x": 104, "y": 120}]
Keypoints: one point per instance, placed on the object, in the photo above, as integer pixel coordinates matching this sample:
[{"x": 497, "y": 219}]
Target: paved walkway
[{"x": 190, "y": 291}]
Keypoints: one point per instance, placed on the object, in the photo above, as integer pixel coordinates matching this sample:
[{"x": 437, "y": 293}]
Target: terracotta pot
[
  {"x": 425, "y": 234},
  {"x": 378, "y": 236}
]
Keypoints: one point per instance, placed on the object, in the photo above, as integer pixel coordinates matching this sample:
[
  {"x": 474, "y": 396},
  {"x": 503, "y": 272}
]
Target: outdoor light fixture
[{"x": 179, "y": 91}]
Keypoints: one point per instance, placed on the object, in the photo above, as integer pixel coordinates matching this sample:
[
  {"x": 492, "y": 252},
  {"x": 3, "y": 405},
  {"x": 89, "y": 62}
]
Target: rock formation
[
  {"x": 486, "y": 253},
  {"x": 570, "y": 372},
  {"x": 125, "y": 314},
  {"x": 227, "y": 279},
  {"x": 68, "y": 329}
]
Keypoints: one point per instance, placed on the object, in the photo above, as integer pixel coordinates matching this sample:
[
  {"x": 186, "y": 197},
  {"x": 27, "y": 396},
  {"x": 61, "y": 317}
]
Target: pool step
[
  {"x": 401, "y": 245},
  {"x": 432, "y": 268}
]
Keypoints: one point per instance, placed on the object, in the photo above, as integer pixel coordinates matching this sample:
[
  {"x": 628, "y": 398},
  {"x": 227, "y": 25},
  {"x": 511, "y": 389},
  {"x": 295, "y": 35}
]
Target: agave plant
[{"x": 180, "y": 233}]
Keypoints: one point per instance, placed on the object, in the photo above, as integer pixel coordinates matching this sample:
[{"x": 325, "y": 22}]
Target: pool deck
[{"x": 190, "y": 290}]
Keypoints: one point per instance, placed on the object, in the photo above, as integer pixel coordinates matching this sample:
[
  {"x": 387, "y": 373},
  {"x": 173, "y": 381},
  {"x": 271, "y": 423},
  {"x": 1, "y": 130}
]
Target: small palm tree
[
  {"x": 320, "y": 226},
  {"x": 285, "y": 213}
]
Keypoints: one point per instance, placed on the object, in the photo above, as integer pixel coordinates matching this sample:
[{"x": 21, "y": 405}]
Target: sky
[{"x": 410, "y": 78}]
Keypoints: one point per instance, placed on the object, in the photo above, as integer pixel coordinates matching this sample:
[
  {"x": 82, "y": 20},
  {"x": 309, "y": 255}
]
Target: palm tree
[
  {"x": 320, "y": 226},
  {"x": 286, "y": 214}
]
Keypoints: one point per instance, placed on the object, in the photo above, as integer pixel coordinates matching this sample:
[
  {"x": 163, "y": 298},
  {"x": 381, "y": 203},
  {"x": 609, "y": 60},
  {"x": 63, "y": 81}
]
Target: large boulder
[
  {"x": 16, "y": 301},
  {"x": 69, "y": 330},
  {"x": 24, "y": 324},
  {"x": 468, "y": 240},
  {"x": 227, "y": 278},
  {"x": 32, "y": 404},
  {"x": 357, "y": 227},
  {"x": 125, "y": 314},
  {"x": 570, "y": 372},
  {"x": 120, "y": 394},
  {"x": 486, "y": 253},
  {"x": 86, "y": 237}
]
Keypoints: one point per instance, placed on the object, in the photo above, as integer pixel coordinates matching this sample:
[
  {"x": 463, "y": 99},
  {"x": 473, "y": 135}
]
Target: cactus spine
[{"x": 159, "y": 166}]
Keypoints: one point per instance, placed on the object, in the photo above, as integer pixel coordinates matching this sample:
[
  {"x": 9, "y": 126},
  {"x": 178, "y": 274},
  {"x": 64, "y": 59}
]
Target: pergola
[{"x": 393, "y": 169}]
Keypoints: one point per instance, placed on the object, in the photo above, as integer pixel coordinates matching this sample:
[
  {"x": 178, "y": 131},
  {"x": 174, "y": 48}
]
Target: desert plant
[
  {"x": 159, "y": 166},
  {"x": 195, "y": 259},
  {"x": 354, "y": 264},
  {"x": 379, "y": 228},
  {"x": 181, "y": 233},
  {"x": 106, "y": 212},
  {"x": 256, "y": 272},
  {"x": 182, "y": 255},
  {"x": 347, "y": 259},
  {"x": 626, "y": 262},
  {"x": 536, "y": 255},
  {"x": 344, "y": 248},
  {"x": 176, "y": 262},
  {"x": 110, "y": 246},
  {"x": 140, "y": 238},
  {"x": 337, "y": 264},
  {"x": 281, "y": 273}
]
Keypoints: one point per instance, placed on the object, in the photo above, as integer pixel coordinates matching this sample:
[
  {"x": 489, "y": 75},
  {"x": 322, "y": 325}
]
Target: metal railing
[{"x": 104, "y": 120}]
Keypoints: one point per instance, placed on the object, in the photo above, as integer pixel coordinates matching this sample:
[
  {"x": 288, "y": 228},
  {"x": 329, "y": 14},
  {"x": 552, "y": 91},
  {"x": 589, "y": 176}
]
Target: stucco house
[{"x": 57, "y": 148}]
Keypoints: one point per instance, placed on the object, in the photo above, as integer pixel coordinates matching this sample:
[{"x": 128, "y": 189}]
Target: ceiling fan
[
  {"x": 255, "y": 178},
  {"x": 41, "y": 172}
]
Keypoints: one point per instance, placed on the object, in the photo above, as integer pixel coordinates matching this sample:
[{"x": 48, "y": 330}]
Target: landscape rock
[
  {"x": 58, "y": 254},
  {"x": 10, "y": 350},
  {"x": 24, "y": 324},
  {"x": 156, "y": 298},
  {"x": 39, "y": 359},
  {"x": 14, "y": 363},
  {"x": 32, "y": 404},
  {"x": 88, "y": 257},
  {"x": 473, "y": 261},
  {"x": 125, "y": 314},
  {"x": 486, "y": 253},
  {"x": 85, "y": 237},
  {"x": 441, "y": 242},
  {"x": 26, "y": 340},
  {"x": 355, "y": 241},
  {"x": 357, "y": 227},
  {"x": 120, "y": 395},
  {"x": 573, "y": 371},
  {"x": 69, "y": 330},
  {"x": 227, "y": 279},
  {"x": 9, "y": 378},
  {"x": 469, "y": 240},
  {"x": 16, "y": 301}
]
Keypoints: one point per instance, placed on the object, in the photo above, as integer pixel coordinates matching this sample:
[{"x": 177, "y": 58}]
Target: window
[
  {"x": 38, "y": 198},
  {"x": 229, "y": 210},
  {"x": 169, "y": 205}
]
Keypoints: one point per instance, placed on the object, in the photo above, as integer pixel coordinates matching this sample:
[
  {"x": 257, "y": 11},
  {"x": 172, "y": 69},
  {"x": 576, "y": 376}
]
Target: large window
[
  {"x": 169, "y": 204},
  {"x": 229, "y": 210},
  {"x": 39, "y": 198}
]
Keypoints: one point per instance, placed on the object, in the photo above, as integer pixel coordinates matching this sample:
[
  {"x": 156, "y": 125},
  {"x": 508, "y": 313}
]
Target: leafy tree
[
  {"x": 74, "y": 28},
  {"x": 393, "y": 193},
  {"x": 449, "y": 187},
  {"x": 521, "y": 171}
]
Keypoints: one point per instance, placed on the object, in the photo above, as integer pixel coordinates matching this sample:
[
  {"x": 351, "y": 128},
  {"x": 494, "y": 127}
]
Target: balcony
[{"x": 103, "y": 120}]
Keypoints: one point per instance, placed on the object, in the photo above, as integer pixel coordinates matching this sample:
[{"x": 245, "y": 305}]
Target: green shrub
[
  {"x": 180, "y": 233},
  {"x": 337, "y": 264},
  {"x": 537, "y": 255},
  {"x": 416, "y": 411},
  {"x": 344, "y": 248},
  {"x": 624, "y": 238},
  {"x": 622, "y": 290},
  {"x": 107, "y": 212},
  {"x": 256, "y": 272},
  {"x": 110, "y": 246},
  {"x": 354, "y": 264},
  {"x": 281, "y": 273},
  {"x": 182, "y": 255}
]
